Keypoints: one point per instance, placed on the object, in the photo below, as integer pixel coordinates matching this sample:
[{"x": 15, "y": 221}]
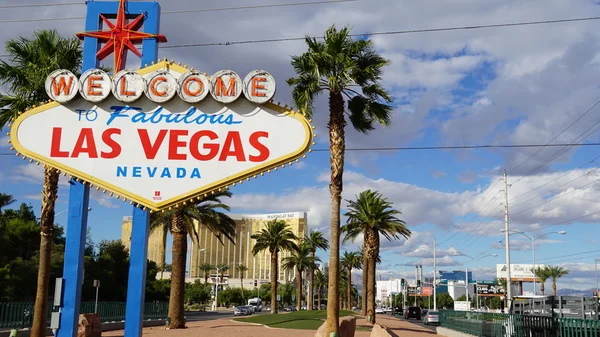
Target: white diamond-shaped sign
[{"x": 160, "y": 154}]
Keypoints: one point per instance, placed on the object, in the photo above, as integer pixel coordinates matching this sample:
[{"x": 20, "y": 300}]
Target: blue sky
[{"x": 517, "y": 85}]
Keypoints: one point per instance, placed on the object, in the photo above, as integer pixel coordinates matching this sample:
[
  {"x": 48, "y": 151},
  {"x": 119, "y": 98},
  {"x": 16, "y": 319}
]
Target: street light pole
[
  {"x": 434, "y": 276},
  {"x": 533, "y": 248},
  {"x": 476, "y": 276},
  {"x": 596, "y": 263},
  {"x": 507, "y": 243}
]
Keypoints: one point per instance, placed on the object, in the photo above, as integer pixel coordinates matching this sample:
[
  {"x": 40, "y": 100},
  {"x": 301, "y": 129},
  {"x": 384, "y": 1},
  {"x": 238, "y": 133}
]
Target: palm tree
[
  {"x": 315, "y": 240},
  {"x": 275, "y": 237},
  {"x": 372, "y": 215},
  {"x": 241, "y": 269},
  {"x": 30, "y": 61},
  {"x": 320, "y": 282},
  {"x": 554, "y": 273},
  {"x": 540, "y": 272},
  {"x": 502, "y": 282},
  {"x": 347, "y": 69},
  {"x": 221, "y": 269},
  {"x": 5, "y": 200},
  {"x": 181, "y": 221},
  {"x": 301, "y": 260},
  {"x": 349, "y": 261},
  {"x": 206, "y": 269},
  {"x": 365, "y": 262}
]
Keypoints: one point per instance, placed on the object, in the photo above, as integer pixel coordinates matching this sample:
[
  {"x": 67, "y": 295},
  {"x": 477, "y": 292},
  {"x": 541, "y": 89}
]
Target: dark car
[
  {"x": 397, "y": 311},
  {"x": 413, "y": 312}
]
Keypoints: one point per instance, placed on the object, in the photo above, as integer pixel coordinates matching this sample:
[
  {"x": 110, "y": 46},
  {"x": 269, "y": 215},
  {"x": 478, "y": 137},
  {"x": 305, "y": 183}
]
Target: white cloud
[
  {"x": 103, "y": 199},
  {"x": 438, "y": 174}
]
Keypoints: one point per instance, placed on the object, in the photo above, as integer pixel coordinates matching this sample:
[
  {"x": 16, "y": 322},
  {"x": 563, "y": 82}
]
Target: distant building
[
  {"x": 211, "y": 251},
  {"x": 156, "y": 241}
]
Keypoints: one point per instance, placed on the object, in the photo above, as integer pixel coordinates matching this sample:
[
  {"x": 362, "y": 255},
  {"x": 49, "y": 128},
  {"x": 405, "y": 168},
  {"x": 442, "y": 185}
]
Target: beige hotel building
[{"x": 211, "y": 251}]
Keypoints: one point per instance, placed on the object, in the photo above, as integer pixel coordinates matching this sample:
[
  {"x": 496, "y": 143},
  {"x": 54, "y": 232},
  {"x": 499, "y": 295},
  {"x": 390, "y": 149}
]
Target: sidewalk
[{"x": 225, "y": 327}]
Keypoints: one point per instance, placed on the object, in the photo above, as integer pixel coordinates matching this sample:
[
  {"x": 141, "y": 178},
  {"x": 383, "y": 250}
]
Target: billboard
[
  {"x": 489, "y": 289},
  {"x": 162, "y": 135},
  {"x": 427, "y": 291},
  {"x": 518, "y": 272}
]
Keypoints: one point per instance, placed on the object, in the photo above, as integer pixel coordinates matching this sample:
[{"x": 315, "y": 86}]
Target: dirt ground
[{"x": 226, "y": 327}]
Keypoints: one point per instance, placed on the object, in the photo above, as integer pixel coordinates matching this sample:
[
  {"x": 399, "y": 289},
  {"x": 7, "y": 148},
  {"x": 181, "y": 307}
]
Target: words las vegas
[{"x": 127, "y": 86}]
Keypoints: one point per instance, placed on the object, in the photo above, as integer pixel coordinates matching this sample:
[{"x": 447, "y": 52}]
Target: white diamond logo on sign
[{"x": 160, "y": 139}]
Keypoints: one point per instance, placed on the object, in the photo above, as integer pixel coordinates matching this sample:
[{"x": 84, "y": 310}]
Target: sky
[{"x": 532, "y": 84}]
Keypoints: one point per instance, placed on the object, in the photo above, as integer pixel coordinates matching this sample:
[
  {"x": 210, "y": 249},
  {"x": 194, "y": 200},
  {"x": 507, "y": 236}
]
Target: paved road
[
  {"x": 195, "y": 316},
  {"x": 414, "y": 321}
]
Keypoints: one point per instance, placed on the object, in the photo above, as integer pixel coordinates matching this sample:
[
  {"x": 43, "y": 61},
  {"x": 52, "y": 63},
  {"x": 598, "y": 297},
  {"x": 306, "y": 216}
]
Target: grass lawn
[{"x": 307, "y": 320}]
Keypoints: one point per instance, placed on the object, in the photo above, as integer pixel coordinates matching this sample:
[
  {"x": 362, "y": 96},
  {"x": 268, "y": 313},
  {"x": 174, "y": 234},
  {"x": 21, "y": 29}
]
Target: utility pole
[
  {"x": 434, "y": 276},
  {"x": 507, "y": 243},
  {"x": 416, "y": 281}
]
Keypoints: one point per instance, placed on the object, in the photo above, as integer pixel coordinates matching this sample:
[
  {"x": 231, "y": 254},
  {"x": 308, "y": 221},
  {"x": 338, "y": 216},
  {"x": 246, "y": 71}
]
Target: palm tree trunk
[
  {"x": 274, "y": 282},
  {"x": 299, "y": 304},
  {"x": 319, "y": 298},
  {"x": 337, "y": 148},
  {"x": 364, "y": 284},
  {"x": 38, "y": 328},
  {"x": 349, "y": 289},
  {"x": 311, "y": 278},
  {"x": 554, "y": 287},
  {"x": 163, "y": 247},
  {"x": 242, "y": 284},
  {"x": 542, "y": 287},
  {"x": 177, "y": 273},
  {"x": 371, "y": 292}
]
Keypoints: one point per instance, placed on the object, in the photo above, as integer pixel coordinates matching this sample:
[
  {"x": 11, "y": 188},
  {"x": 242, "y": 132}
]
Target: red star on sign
[{"x": 120, "y": 37}]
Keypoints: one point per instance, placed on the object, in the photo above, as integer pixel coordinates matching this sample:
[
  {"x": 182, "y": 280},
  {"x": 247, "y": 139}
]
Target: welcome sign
[{"x": 162, "y": 135}]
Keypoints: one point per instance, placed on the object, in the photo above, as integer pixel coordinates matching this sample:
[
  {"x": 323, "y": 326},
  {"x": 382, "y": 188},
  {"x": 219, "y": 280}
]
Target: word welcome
[{"x": 160, "y": 86}]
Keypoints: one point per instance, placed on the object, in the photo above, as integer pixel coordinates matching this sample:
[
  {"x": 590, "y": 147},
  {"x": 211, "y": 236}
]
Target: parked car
[
  {"x": 379, "y": 310},
  {"x": 412, "y": 312},
  {"x": 289, "y": 308},
  {"x": 432, "y": 317},
  {"x": 242, "y": 311},
  {"x": 387, "y": 310}
]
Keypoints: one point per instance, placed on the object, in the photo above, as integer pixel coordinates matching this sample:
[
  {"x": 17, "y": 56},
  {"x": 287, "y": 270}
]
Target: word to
[{"x": 160, "y": 86}]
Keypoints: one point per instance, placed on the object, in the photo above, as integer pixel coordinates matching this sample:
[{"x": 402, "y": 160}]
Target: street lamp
[
  {"x": 476, "y": 276},
  {"x": 596, "y": 263},
  {"x": 533, "y": 247},
  {"x": 217, "y": 286}
]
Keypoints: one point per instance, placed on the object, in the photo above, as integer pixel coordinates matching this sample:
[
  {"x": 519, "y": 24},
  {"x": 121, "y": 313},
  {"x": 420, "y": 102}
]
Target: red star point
[{"x": 120, "y": 37}]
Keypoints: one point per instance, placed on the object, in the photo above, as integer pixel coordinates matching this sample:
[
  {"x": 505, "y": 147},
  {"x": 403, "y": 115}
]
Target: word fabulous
[{"x": 225, "y": 86}]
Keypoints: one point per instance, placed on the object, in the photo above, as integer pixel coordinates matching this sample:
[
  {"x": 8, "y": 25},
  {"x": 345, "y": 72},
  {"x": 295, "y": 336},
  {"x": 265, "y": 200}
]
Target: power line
[
  {"x": 561, "y": 256},
  {"x": 43, "y": 5},
  {"x": 417, "y": 148},
  {"x": 397, "y": 32},
  {"x": 557, "y": 187},
  {"x": 565, "y": 222},
  {"x": 409, "y": 31},
  {"x": 576, "y": 140},
  {"x": 184, "y": 11},
  {"x": 551, "y": 181},
  {"x": 551, "y": 140}
]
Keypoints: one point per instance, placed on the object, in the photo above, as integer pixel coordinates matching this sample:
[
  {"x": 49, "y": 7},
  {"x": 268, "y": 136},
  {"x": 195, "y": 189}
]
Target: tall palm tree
[
  {"x": 541, "y": 273},
  {"x": 372, "y": 215},
  {"x": 30, "y": 61},
  {"x": 275, "y": 237},
  {"x": 320, "y": 282},
  {"x": 315, "y": 240},
  {"x": 346, "y": 69},
  {"x": 206, "y": 269},
  {"x": 301, "y": 260},
  {"x": 241, "y": 269},
  {"x": 554, "y": 273},
  {"x": 349, "y": 261},
  {"x": 181, "y": 221}
]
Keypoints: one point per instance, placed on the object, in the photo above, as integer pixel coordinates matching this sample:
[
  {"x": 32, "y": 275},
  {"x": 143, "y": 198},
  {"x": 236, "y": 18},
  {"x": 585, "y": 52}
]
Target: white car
[{"x": 379, "y": 311}]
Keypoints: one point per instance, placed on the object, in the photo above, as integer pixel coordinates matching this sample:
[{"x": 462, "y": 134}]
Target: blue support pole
[
  {"x": 73, "y": 264},
  {"x": 136, "y": 285}
]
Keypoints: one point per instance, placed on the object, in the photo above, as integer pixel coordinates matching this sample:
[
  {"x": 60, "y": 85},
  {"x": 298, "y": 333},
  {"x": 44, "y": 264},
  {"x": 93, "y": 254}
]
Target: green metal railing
[
  {"x": 504, "y": 325},
  {"x": 475, "y": 323},
  {"x": 20, "y": 314}
]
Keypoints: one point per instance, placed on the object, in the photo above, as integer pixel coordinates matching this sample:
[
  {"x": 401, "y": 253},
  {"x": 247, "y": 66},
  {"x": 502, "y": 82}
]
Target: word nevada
[{"x": 160, "y": 86}]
